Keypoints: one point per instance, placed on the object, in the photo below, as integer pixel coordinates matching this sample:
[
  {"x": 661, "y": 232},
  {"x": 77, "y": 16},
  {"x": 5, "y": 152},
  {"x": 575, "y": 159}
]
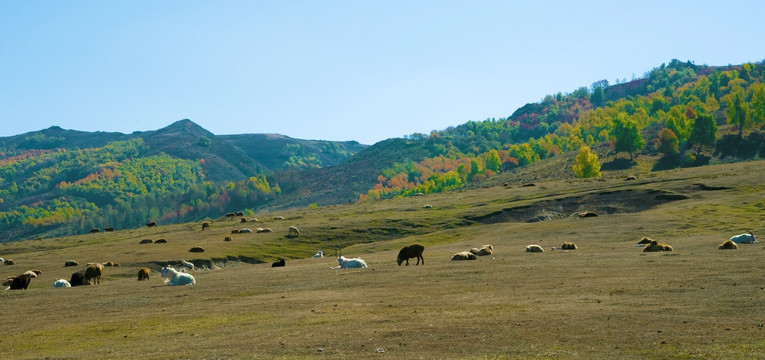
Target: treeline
[
  {"x": 118, "y": 185},
  {"x": 675, "y": 108}
]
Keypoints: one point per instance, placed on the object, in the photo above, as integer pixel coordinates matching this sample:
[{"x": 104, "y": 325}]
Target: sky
[{"x": 337, "y": 70}]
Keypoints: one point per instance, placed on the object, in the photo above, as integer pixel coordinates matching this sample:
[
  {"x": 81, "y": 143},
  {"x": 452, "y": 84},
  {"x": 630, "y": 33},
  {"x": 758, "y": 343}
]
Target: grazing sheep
[
  {"x": 353, "y": 263},
  {"x": 187, "y": 264},
  {"x": 71, "y": 263},
  {"x": 172, "y": 277},
  {"x": 21, "y": 282},
  {"x": 278, "y": 217},
  {"x": 746, "y": 238},
  {"x": 143, "y": 273},
  {"x": 585, "y": 214},
  {"x": 151, "y": 224},
  {"x": 263, "y": 230},
  {"x": 197, "y": 249},
  {"x": 657, "y": 246},
  {"x": 160, "y": 241},
  {"x": 728, "y": 245},
  {"x": 78, "y": 279},
  {"x": 427, "y": 206},
  {"x": 534, "y": 248},
  {"x": 279, "y": 263},
  {"x": 568, "y": 246},
  {"x": 61, "y": 283},
  {"x": 228, "y": 238},
  {"x": 9, "y": 262},
  {"x": 146, "y": 241},
  {"x": 463, "y": 255},
  {"x": 95, "y": 230},
  {"x": 483, "y": 251},
  {"x": 410, "y": 251},
  {"x": 243, "y": 220},
  {"x": 245, "y": 231},
  {"x": 94, "y": 272},
  {"x": 644, "y": 241},
  {"x": 111, "y": 263},
  {"x": 109, "y": 229},
  {"x": 293, "y": 231},
  {"x": 206, "y": 225},
  {"x": 318, "y": 255}
]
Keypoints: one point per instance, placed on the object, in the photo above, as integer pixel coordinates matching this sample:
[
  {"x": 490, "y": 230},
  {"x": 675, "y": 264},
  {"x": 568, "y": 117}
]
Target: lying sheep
[
  {"x": 187, "y": 264},
  {"x": 463, "y": 255},
  {"x": 483, "y": 251},
  {"x": 61, "y": 283},
  {"x": 173, "y": 278},
  {"x": 657, "y": 246},
  {"x": 71, "y": 263},
  {"x": 747, "y": 238},
  {"x": 263, "y": 230},
  {"x": 728, "y": 245},
  {"x": 318, "y": 255},
  {"x": 350, "y": 263},
  {"x": 568, "y": 246},
  {"x": 279, "y": 263},
  {"x": 534, "y": 248}
]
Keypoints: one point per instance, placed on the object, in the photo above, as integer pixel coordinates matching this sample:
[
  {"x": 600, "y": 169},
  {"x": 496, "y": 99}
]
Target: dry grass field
[{"x": 607, "y": 299}]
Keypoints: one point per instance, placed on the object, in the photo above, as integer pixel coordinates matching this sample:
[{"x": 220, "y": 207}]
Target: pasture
[{"x": 607, "y": 299}]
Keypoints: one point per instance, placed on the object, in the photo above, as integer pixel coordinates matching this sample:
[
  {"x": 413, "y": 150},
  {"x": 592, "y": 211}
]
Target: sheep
[
  {"x": 8, "y": 281},
  {"x": 21, "y": 282},
  {"x": 235, "y": 231},
  {"x": 146, "y": 241},
  {"x": 239, "y": 213},
  {"x": 483, "y": 251},
  {"x": 93, "y": 272},
  {"x": 278, "y": 217},
  {"x": 187, "y": 264},
  {"x": 2, "y": 260},
  {"x": 151, "y": 224},
  {"x": 228, "y": 238},
  {"x": 245, "y": 231},
  {"x": 206, "y": 225},
  {"x": 143, "y": 273},
  {"x": 585, "y": 214},
  {"x": 293, "y": 231},
  {"x": 230, "y": 215},
  {"x": 109, "y": 229},
  {"x": 463, "y": 255},
  {"x": 243, "y": 220},
  {"x": 427, "y": 206},
  {"x": 71, "y": 263},
  {"x": 657, "y": 246},
  {"x": 9, "y": 262},
  {"x": 95, "y": 230},
  {"x": 410, "y": 251},
  {"x": 263, "y": 230},
  {"x": 318, "y": 255},
  {"x": 172, "y": 277},
  {"x": 111, "y": 263},
  {"x": 160, "y": 241},
  {"x": 728, "y": 245},
  {"x": 568, "y": 246},
  {"x": 644, "y": 241},
  {"x": 197, "y": 249},
  {"x": 746, "y": 238},
  {"x": 30, "y": 273},
  {"x": 279, "y": 263},
  {"x": 349, "y": 263},
  {"x": 630, "y": 178},
  {"x": 534, "y": 248},
  {"x": 78, "y": 279},
  {"x": 61, "y": 283}
]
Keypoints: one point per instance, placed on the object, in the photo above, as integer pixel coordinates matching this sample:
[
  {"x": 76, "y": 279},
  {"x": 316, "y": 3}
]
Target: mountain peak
[{"x": 185, "y": 127}]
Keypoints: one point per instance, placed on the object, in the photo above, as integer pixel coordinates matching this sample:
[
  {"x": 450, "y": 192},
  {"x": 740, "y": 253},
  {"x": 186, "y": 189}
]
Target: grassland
[{"x": 606, "y": 300}]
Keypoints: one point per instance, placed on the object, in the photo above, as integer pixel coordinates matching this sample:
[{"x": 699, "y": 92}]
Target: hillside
[{"x": 606, "y": 299}]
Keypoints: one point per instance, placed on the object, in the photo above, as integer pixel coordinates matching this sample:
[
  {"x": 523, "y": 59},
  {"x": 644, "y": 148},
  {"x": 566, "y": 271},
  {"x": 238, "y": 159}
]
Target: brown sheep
[
  {"x": 644, "y": 241},
  {"x": 143, "y": 273},
  {"x": 235, "y": 231},
  {"x": 197, "y": 249},
  {"x": 94, "y": 272},
  {"x": 228, "y": 238},
  {"x": 728, "y": 245},
  {"x": 483, "y": 251},
  {"x": 160, "y": 241},
  {"x": 243, "y": 220},
  {"x": 409, "y": 252},
  {"x": 657, "y": 246},
  {"x": 206, "y": 225},
  {"x": 151, "y": 224},
  {"x": 146, "y": 241},
  {"x": 463, "y": 255},
  {"x": 568, "y": 246},
  {"x": 534, "y": 248},
  {"x": 21, "y": 282}
]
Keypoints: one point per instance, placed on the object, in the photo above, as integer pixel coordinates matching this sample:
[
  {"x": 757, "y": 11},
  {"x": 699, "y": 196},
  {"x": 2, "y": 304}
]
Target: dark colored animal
[
  {"x": 728, "y": 245},
  {"x": 235, "y": 231},
  {"x": 143, "y": 273},
  {"x": 146, "y": 241},
  {"x": 95, "y": 230},
  {"x": 78, "y": 279},
  {"x": 228, "y": 238},
  {"x": 263, "y": 230},
  {"x": 151, "y": 224},
  {"x": 109, "y": 229},
  {"x": 205, "y": 225},
  {"x": 231, "y": 214},
  {"x": 568, "y": 246},
  {"x": 71, "y": 263},
  {"x": 9, "y": 262},
  {"x": 644, "y": 241},
  {"x": 657, "y": 246},
  {"x": 160, "y": 241},
  {"x": 21, "y": 282},
  {"x": 111, "y": 263},
  {"x": 238, "y": 213},
  {"x": 585, "y": 214},
  {"x": 409, "y": 252},
  {"x": 630, "y": 178},
  {"x": 197, "y": 249},
  {"x": 278, "y": 263},
  {"x": 243, "y": 220},
  {"x": 278, "y": 217},
  {"x": 93, "y": 273}
]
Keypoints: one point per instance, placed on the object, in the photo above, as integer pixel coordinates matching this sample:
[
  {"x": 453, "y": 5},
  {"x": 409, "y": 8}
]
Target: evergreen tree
[{"x": 628, "y": 137}]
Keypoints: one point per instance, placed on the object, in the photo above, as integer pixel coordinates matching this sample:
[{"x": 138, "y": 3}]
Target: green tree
[
  {"x": 587, "y": 164},
  {"x": 667, "y": 143},
  {"x": 704, "y": 132},
  {"x": 679, "y": 123},
  {"x": 493, "y": 162},
  {"x": 757, "y": 105},
  {"x": 738, "y": 113},
  {"x": 628, "y": 137}
]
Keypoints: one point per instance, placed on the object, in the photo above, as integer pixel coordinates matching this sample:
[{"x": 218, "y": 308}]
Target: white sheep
[
  {"x": 187, "y": 264},
  {"x": 172, "y": 277},
  {"x": 61, "y": 283},
  {"x": 318, "y": 255},
  {"x": 746, "y": 238},
  {"x": 354, "y": 263}
]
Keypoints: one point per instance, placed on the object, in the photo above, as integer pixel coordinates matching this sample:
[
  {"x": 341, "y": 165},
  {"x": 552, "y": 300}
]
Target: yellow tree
[{"x": 587, "y": 164}]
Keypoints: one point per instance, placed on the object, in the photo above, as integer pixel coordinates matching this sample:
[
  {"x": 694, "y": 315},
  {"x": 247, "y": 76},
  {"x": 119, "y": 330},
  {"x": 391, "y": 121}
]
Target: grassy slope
[{"x": 605, "y": 300}]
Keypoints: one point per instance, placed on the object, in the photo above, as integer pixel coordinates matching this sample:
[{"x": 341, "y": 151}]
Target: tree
[
  {"x": 678, "y": 121},
  {"x": 627, "y": 135},
  {"x": 757, "y": 105},
  {"x": 667, "y": 143},
  {"x": 587, "y": 164},
  {"x": 493, "y": 162},
  {"x": 738, "y": 113},
  {"x": 704, "y": 132}
]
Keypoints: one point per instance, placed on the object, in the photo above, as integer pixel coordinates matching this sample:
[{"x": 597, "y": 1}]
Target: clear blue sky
[{"x": 337, "y": 70}]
